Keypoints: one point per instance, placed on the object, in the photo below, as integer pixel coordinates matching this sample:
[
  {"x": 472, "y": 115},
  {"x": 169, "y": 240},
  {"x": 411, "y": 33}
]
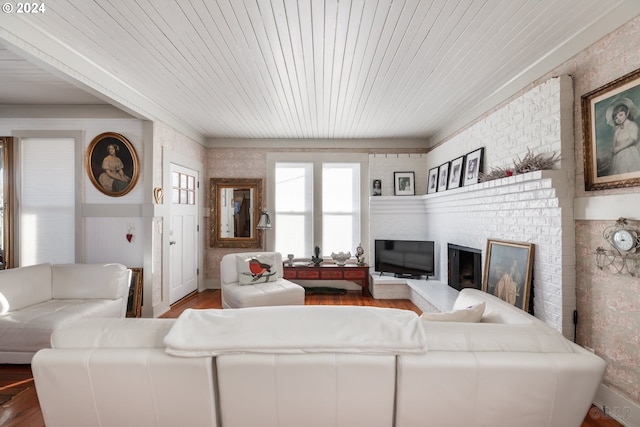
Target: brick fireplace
[{"x": 536, "y": 207}]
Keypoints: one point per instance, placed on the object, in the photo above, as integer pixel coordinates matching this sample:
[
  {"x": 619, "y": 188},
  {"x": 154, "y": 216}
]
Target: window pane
[
  {"x": 293, "y": 210},
  {"x": 47, "y": 212},
  {"x": 337, "y": 233},
  {"x": 338, "y": 189},
  {"x": 340, "y": 207},
  {"x": 293, "y": 187},
  {"x": 291, "y": 237}
]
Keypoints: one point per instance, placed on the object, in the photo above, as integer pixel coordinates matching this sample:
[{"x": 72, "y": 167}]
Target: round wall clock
[
  {"x": 624, "y": 240},
  {"x": 622, "y": 237}
]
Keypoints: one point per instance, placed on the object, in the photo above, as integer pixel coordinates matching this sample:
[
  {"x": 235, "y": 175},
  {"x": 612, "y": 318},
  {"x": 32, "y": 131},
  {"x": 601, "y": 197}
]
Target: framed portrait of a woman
[
  {"x": 112, "y": 164},
  {"x": 610, "y": 134},
  {"x": 508, "y": 271}
]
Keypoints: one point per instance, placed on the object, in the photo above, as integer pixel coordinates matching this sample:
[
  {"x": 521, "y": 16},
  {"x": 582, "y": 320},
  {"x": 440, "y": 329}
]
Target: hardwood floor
[{"x": 20, "y": 407}]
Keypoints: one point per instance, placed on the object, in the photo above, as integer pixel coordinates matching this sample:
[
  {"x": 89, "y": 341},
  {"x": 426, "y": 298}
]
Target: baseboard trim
[{"x": 617, "y": 407}]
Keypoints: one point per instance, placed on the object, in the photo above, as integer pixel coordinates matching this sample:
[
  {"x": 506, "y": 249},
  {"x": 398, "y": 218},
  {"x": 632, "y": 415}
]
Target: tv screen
[{"x": 406, "y": 258}]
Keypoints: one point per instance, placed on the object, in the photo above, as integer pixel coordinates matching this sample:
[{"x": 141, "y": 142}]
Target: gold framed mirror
[{"x": 235, "y": 210}]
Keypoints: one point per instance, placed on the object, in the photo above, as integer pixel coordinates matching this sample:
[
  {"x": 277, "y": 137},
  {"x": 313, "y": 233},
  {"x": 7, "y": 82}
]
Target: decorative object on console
[
  {"x": 455, "y": 172},
  {"x": 256, "y": 269},
  {"x": 531, "y": 162},
  {"x": 340, "y": 258},
  {"x": 473, "y": 165},
  {"x": 624, "y": 258},
  {"x": 112, "y": 164},
  {"x": 404, "y": 183},
  {"x": 360, "y": 254},
  {"x": 316, "y": 259},
  {"x": 610, "y": 134},
  {"x": 432, "y": 184},
  {"x": 290, "y": 258},
  {"x": 508, "y": 270},
  {"x": 443, "y": 176}
]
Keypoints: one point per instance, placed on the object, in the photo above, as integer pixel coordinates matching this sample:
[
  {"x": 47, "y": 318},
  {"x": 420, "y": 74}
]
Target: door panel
[{"x": 183, "y": 236}]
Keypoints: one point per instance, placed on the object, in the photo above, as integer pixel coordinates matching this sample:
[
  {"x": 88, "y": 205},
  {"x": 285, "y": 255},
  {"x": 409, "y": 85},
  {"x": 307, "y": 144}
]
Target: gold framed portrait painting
[
  {"x": 610, "y": 134},
  {"x": 112, "y": 164},
  {"x": 508, "y": 270}
]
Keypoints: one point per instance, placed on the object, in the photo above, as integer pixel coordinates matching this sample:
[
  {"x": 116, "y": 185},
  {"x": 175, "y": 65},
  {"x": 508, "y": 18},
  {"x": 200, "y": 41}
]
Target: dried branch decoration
[{"x": 531, "y": 162}]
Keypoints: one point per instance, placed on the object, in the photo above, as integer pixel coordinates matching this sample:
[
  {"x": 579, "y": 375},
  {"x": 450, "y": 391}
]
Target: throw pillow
[
  {"x": 256, "y": 269},
  {"x": 471, "y": 314}
]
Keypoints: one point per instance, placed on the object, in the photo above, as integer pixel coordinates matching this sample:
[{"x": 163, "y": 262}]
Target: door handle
[{"x": 172, "y": 242}]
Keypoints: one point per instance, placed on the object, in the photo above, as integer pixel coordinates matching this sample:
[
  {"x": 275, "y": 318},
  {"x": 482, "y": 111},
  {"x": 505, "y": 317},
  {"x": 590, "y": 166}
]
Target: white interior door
[{"x": 183, "y": 235}]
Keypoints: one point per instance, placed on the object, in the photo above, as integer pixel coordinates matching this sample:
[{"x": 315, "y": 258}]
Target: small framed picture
[
  {"x": 376, "y": 187},
  {"x": 507, "y": 271},
  {"x": 473, "y": 166},
  {"x": 443, "y": 176},
  {"x": 404, "y": 183},
  {"x": 455, "y": 172},
  {"x": 432, "y": 184}
]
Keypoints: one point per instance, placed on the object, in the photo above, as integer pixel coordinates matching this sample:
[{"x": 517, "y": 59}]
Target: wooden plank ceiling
[{"x": 300, "y": 69}]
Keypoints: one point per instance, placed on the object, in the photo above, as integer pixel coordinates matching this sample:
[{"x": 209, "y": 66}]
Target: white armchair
[{"x": 260, "y": 284}]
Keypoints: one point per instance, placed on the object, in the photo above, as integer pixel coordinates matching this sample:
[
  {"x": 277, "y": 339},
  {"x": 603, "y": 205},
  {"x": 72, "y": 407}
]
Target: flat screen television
[{"x": 405, "y": 258}]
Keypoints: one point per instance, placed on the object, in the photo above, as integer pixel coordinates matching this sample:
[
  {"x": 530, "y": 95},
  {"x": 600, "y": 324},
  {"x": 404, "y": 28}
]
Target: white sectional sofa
[
  {"x": 321, "y": 366},
  {"x": 39, "y": 299}
]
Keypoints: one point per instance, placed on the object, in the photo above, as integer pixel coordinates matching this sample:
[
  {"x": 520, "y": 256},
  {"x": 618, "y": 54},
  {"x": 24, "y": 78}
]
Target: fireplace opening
[{"x": 464, "y": 267}]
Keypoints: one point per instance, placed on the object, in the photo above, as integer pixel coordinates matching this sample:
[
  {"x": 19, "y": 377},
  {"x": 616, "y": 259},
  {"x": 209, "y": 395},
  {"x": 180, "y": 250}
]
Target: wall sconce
[{"x": 624, "y": 257}]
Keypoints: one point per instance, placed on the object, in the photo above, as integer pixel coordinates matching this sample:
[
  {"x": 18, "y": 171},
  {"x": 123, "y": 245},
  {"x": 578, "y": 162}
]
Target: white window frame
[{"x": 318, "y": 159}]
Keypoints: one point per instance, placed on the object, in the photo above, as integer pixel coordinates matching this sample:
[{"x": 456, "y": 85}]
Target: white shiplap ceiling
[{"x": 307, "y": 69}]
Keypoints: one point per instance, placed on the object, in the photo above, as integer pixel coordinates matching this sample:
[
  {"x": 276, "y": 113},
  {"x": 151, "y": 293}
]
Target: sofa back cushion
[
  {"x": 112, "y": 333},
  {"x": 87, "y": 281},
  {"x": 24, "y": 286}
]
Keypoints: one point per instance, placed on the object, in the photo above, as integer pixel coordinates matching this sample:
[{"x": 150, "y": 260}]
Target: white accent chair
[{"x": 278, "y": 292}]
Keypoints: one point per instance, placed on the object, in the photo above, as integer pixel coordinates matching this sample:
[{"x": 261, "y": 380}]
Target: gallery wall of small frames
[{"x": 461, "y": 171}]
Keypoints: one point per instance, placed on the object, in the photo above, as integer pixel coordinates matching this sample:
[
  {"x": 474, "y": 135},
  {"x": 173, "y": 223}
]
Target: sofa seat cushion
[
  {"x": 494, "y": 337},
  {"x": 278, "y": 292},
  {"x": 30, "y": 328},
  {"x": 296, "y": 329}
]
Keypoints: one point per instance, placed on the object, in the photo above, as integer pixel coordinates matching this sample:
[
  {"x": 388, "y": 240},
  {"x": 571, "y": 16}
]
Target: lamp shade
[{"x": 264, "y": 223}]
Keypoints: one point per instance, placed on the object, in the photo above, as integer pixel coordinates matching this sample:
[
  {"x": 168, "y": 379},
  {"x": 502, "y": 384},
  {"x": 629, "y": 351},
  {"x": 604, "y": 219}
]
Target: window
[
  {"x": 317, "y": 202},
  {"x": 340, "y": 207},
  {"x": 183, "y": 189},
  {"x": 47, "y": 200}
]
